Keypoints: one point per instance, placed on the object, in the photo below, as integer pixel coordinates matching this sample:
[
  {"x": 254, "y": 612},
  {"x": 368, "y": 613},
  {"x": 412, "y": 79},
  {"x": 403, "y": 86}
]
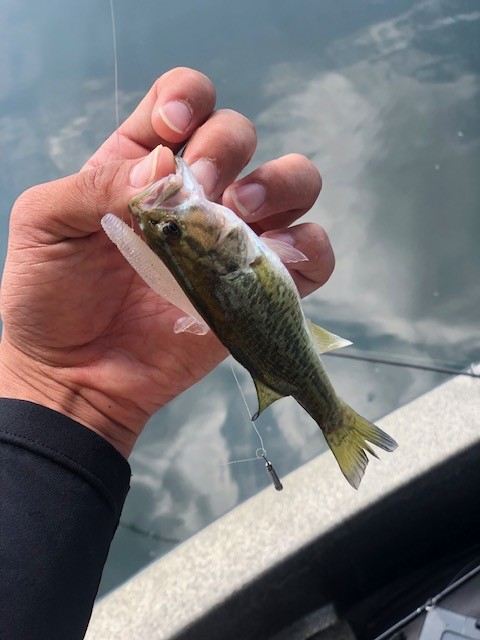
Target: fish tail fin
[{"x": 348, "y": 440}]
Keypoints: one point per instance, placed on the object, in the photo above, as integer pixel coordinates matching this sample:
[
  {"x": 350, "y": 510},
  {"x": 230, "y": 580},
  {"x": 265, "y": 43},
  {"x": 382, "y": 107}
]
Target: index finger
[{"x": 176, "y": 104}]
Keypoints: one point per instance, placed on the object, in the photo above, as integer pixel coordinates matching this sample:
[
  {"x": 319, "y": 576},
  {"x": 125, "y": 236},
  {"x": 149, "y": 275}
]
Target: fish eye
[{"x": 171, "y": 229}]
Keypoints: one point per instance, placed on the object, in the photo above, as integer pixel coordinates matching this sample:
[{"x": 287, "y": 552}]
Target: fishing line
[
  {"x": 261, "y": 452},
  {"x": 409, "y": 365},
  {"x": 148, "y": 534},
  {"x": 115, "y": 76},
  {"x": 246, "y": 407},
  {"x": 115, "y": 59},
  {"x": 245, "y": 459}
]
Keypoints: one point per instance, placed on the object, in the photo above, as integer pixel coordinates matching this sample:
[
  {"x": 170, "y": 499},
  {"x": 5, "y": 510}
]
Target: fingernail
[
  {"x": 176, "y": 115},
  {"x": 144, "y": 172},
  {"x": 206, "y": 174},
  {"x": 249, "y": 197}
]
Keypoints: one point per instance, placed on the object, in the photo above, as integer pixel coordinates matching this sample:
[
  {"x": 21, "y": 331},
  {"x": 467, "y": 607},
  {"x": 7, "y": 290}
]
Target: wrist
[{"x": 23, "y": 378}]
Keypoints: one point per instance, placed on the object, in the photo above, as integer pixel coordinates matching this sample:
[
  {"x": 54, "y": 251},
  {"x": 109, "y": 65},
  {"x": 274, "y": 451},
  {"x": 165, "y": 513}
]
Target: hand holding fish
[{"x": 83, "y": 334}]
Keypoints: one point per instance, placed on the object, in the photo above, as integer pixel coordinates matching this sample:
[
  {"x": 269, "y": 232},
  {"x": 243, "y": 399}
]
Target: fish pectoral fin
[
  {"x": 284, "y": 251},
  {"x": 266, "y": 396},
  {"x": 325, "y": 340},
  {"x": 190, "y": 325}
]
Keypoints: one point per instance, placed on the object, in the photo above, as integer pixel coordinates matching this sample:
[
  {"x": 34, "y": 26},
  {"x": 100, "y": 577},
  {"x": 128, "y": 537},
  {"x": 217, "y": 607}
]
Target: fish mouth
[
  {"x": 169, "y": 192},
  {"x": 134, "y": 208},
  {"x": 165, "y": 193}
]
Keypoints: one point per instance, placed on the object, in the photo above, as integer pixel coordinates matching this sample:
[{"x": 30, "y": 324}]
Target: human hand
[{"x": 83, "y": 334}]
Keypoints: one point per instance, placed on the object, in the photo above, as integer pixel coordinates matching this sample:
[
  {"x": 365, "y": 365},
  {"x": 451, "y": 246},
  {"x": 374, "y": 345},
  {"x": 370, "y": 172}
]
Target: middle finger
[{"x": 220, "y": 149}]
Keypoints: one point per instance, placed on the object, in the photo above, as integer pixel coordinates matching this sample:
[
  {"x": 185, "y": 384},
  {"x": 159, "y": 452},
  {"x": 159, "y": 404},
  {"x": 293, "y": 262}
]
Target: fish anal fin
[
  {"x": 325, "y": 340},
  {"x": 266, "y": 396}
]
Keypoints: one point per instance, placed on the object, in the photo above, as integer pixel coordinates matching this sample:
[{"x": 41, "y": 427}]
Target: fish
[{"x": 239, "y": 287}]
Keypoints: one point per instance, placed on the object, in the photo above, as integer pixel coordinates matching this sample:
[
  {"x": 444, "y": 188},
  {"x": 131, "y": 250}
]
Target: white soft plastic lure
[{"x": 152, "y": 270}]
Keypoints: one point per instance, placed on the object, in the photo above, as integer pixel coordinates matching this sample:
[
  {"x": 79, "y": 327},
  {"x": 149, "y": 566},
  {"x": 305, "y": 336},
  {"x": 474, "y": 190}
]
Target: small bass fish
[{"x": 239, "y": 287}]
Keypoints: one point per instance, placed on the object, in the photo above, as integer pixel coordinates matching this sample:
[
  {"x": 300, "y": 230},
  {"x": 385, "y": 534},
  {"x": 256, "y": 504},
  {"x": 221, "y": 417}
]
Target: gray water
[{"x": 384, "y": 96}]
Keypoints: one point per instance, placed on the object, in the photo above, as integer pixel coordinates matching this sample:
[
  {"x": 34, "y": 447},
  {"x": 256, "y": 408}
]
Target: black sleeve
[{"x": 62, "y": 489}]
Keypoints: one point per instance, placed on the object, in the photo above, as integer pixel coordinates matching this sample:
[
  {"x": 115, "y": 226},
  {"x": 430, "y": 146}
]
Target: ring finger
[{"x": 276, "y": 194}]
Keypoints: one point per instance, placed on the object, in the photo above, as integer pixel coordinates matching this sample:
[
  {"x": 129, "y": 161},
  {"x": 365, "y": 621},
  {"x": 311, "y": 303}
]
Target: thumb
[{"x": 73, "y": 206}]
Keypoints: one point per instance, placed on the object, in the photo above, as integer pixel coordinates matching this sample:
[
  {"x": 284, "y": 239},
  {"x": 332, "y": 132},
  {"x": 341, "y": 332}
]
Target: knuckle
[
  {"x": 25, "y": 199},
  {"x": 329, "y": 266},
  {"x": 316, "y": 246},
  {"x": 31, "y": 199},
  {"x": 324, "y": 255},
  {"x": 194, "y": 76},
  {"x": 183, "y": 77},
  {"x": 88, "y": 184},
  {"x": 235, "y": 119},
  {"x": 184, "y": 72},
  {"x": 97, "y": 186},
  {"x": 317, "y": 242},
  {"x": 235, "y": 131},
  {"x": 308, "y": 170}
]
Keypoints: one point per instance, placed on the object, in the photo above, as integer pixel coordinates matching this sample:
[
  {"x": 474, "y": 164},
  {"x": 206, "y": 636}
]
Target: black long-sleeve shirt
[{"x": 62, "y": 489}]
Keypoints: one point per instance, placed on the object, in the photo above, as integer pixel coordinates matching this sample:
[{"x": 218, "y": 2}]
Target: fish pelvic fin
[
  {"x": 349, "y": 439},
  {"x": 324, "y": 340},
  {"x": 266, "y": 396}
]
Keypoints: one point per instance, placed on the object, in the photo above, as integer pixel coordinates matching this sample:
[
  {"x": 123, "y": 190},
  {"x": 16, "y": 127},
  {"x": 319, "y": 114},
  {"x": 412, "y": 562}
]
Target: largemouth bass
[{"x": 245, "y": 294}]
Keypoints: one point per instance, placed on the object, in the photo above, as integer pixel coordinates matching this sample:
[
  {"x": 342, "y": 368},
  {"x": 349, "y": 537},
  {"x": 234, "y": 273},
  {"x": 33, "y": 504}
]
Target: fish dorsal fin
[
  {"x": 325, "y": 340},
  {"x": 266, "y": 396},
  {"x": 284, "y": 251}
]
